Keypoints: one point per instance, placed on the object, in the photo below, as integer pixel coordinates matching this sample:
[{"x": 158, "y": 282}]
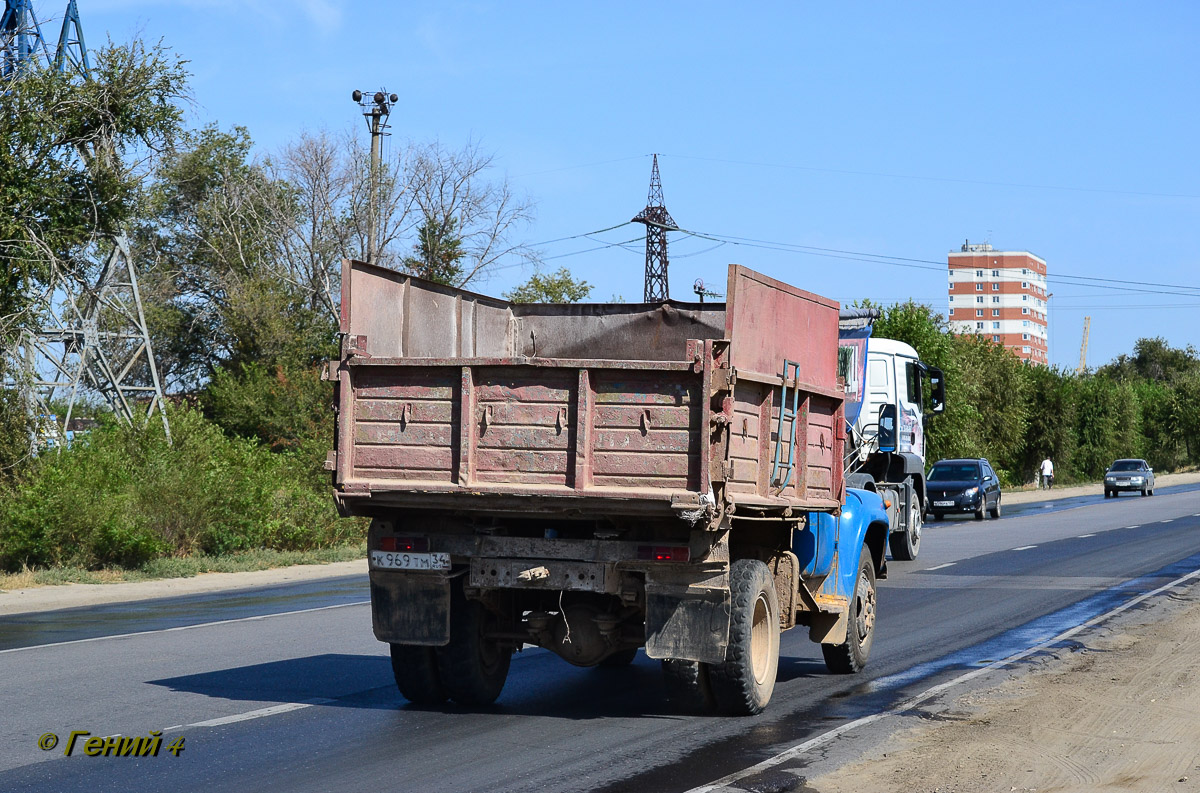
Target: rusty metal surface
[
  {"x": 767, "y": 320},
  {"x": 449, "y": 399},
  {"x": 572, "y": 576},
  {"x": 401, "y": 316}
]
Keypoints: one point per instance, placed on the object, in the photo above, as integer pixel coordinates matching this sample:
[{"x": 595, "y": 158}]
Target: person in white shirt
[{"x": 1047, "y": 473}]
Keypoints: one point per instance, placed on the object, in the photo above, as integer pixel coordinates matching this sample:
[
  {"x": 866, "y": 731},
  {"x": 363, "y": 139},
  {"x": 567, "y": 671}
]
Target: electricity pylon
[
  {"x": 84, "y": 334},
  {"x": 658, "y": 222}
]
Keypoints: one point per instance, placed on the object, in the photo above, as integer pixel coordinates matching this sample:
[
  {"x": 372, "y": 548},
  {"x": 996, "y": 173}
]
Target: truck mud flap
[
  {"x": 410, "y": 608},
  {"x": 690, "y": 624}
]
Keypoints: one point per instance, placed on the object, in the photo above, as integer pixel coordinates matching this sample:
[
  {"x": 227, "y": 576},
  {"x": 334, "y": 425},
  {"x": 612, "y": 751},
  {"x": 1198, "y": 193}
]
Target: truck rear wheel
[
  {"x": 743, "y": 684},
  {"x": 415, "y": 670},
  {"x": 905, "y": 545},
  {"x": 851, "y": 655},
  {"x": 688, "y": 686},
  {"x": 472, "y": 668}
]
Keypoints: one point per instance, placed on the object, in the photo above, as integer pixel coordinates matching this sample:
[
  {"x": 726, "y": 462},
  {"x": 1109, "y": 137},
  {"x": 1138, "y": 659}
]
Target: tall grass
[{"x": 125, "y": 497}]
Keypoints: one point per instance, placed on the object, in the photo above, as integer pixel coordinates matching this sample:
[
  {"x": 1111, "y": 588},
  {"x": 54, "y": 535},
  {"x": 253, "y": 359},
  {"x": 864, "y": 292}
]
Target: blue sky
[{"x": 900, "y": 129}]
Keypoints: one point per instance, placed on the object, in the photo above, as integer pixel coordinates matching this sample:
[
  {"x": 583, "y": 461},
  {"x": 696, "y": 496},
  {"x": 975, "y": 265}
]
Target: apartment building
[{"x": 1000, "y": 295}]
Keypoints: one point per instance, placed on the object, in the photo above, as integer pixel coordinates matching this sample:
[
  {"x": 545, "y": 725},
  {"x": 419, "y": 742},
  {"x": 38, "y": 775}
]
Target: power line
[
  {"x": 932, "y": 265},
  {"x": 585, "y": 234},
  {"x": 1066, "y": 279}
]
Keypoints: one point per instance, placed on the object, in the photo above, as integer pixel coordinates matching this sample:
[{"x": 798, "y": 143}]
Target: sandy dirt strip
[{"x": 1121, "y": 712}]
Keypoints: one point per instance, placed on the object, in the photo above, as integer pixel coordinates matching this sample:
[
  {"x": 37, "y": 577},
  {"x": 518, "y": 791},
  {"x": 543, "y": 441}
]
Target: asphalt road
[{"x": 286, "y": 689}]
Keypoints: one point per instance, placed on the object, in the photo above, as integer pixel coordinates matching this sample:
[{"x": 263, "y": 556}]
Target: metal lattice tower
[
  {"x": 1087, "y": 326},
  {"x": 91, "y": 333},
  {"x": 658, "y": 222}
]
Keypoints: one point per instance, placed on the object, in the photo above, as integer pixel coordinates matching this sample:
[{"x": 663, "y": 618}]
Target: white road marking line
[
  {"x": 933, "y": 691},
  {"x": 185, "y": 627},
  {"x": 940, "y": 566},
  {"x": 1024, "y": 548},
  {"x": 260, "y": 713},
  {"x": 1168, "y": 520},
  {"x": 1081, "y": 536},
  {"x": 1134, "y": 527}
]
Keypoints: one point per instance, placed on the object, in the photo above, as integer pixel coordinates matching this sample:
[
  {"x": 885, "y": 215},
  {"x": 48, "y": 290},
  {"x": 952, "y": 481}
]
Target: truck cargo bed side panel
[
  {"x": 646, "y": 429},
  {"x": 405, "y": 423},
  {"x": 526, "y": 426}
]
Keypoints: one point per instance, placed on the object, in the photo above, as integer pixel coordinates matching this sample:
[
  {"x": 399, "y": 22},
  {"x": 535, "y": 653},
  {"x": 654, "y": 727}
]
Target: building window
[
  {"x": 1025, "y": 349},
  {"x": 978, "y": 287},
  {"x": 996, "y": 338},
  {"x": 979, "y": 312},
  {"x": 979, "y": 299},
  {"x": 1024, "y": 297},
  {"x": 995, "y": 326},
  {"x": 995, "y": 298},
  {"x": 995, "y": 312},
  {"x": 1024, "y": 271},
  {"x": 1025, "y": 323},
  {"x": 951, "y": 298},
  {"x": 1024, "y": 284},
  {"x": 979, "y": 273},
  {"x": 978, "y": 326},
  {"x": 995, "y": 273},
  {"x": 1024, "y": 337},
  {"x": 995, "y": 287},
  {"x": 1024, "y": 310}
]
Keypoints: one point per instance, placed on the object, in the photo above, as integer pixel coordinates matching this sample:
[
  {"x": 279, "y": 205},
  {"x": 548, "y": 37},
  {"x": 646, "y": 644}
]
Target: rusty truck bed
[{"x": 452, "y": 400}]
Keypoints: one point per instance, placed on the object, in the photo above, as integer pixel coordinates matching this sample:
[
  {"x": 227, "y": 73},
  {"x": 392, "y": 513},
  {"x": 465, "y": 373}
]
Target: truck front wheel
[
  {"x": 472, "y": 668},
  {"x": 905, "y": 545},
  {"x": 744, "y": 682},
  {"x": 415, "y": 670},
  {"x": 851, "y": 655}
]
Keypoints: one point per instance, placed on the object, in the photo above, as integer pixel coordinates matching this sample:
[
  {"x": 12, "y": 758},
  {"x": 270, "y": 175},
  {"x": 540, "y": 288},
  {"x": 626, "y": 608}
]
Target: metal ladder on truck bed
[{"x": 789, "y": 415}]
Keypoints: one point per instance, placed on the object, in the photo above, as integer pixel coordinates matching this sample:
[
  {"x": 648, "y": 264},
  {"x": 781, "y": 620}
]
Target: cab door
[{"x": 908, "y": 396}]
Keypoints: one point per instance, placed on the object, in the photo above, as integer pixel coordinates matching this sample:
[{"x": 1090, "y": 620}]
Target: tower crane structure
[
  {"x": 1087, "y": 327},
  {"x": 658, "y": 222},
  {"x": 87, "y": 333}
]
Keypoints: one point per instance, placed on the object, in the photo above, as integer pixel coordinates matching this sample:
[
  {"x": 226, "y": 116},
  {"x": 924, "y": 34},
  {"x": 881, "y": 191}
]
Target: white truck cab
[{"x": 885, "y": 416}]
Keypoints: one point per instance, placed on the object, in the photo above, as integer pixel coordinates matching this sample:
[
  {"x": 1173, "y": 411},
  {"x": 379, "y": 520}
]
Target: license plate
[
  {"x": 943, "y": 503},
  {"x": 410, "y": 561}
]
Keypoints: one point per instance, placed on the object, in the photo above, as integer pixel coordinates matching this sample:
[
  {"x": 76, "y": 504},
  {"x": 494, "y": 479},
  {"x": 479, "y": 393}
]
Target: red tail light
[
  {"x": 410, "y": 544},
  {"x": 664, "y": 553}
]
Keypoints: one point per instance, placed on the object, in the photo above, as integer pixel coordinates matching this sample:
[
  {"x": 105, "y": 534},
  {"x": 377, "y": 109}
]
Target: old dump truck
[{"x": 598, "y": 478}]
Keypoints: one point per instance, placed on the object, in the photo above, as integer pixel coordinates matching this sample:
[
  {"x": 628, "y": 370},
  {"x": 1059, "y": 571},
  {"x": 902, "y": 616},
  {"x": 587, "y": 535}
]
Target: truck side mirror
[
  {"x": 887, "y": 428},
  {"x": 938, "y": 398}
]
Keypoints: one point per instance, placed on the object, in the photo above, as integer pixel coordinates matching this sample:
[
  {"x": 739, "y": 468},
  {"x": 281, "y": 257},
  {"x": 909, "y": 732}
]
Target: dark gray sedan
[{"x": 1129, "y": 475}]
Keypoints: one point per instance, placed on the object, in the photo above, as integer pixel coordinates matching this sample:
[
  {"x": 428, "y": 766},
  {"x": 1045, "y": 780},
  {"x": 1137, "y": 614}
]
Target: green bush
[{"x": 126, "y": 496}]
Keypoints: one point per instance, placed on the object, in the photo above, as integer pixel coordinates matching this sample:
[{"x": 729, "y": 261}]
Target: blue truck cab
[{"x": 841, "y": 557}]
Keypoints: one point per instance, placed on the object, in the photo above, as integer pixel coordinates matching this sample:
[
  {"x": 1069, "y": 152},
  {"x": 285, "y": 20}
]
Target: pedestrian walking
[{"x": 1046, "y": 469}]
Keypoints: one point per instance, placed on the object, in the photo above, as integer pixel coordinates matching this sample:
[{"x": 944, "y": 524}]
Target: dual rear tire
[{"x": 471, "y": 669}]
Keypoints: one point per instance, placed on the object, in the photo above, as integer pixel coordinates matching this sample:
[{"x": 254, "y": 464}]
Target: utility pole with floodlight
[{"x": 377, "y": 108}]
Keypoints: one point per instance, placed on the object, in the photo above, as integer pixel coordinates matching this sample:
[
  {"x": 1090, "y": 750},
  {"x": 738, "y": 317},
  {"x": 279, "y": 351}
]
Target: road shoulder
[
  {"x": 1115, "y": 710},
  {"x": 1095, "y": 489}
]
